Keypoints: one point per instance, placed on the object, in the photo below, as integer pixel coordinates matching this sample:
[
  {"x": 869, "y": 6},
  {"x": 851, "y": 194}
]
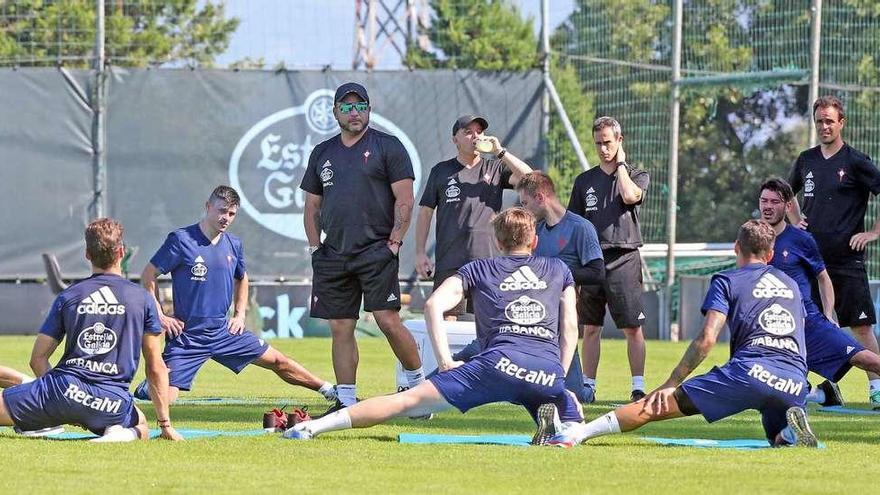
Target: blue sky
[{"x": 311, "y": 34}]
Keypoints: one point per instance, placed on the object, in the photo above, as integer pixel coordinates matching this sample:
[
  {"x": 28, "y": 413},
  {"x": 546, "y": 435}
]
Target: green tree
[
  {"x": 480, "y": 34},
  {"x": 139, "y": 33}
]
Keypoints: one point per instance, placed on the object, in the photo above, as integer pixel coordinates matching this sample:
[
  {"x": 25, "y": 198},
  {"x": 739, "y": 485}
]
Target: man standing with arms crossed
[
  {"x": 359, "y": 191},
  {"x": 466, "y": 191},
  {"x": 609, "y": 196},
  {"x": 837, "y": 181}
]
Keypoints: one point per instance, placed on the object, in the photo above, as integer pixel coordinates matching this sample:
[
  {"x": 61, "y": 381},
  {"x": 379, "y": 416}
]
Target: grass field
[{"x": 371, "y": 460}]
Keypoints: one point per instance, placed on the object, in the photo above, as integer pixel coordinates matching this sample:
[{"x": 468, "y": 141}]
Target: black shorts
[
  {"x": 463, "y": 306},
  {"x": 852, "y": 294},
  {"x": 340, "y": 281},
  {"x": 621, "y": 291}
]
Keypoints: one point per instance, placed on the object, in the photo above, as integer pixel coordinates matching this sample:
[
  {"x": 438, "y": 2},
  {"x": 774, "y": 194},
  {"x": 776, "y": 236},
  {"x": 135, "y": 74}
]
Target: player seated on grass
[
  {"x": 526, "y": 318},
  {"x": 105, "y": 321},
  {"x": 831, "y": 352},
  {"x": 767, "y": 367}
]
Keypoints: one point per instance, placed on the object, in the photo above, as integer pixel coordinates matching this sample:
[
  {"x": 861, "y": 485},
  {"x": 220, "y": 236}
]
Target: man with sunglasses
[
  {"x": 466, "y": 191},
  {"x": 359, "y": 191}
]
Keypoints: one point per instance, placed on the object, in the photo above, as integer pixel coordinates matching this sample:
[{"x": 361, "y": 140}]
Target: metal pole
[
  {"x": 569, "y": 129},
  {"x": 672, "y": 202},
  {"x": 815, "y": 45},
  {"x": 545, "y": 68},
  {"x": 99, "y": 159}
]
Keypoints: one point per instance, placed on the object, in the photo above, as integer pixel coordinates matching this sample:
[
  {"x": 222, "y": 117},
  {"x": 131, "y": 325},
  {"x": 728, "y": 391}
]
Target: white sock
[
  {"x": 873, "y": 385},
  {"x": 639, "y": 383},
  {"x": 603, "y": 425},
  {"x": 117, "y": 433},
  {"x": 339, "y": 420},
  {"x": 328, "y": 391},
  {"x": 816, "y": 395},
  {"x": 414, "y": 377},
  {"x": 347, "y": 394},
  {"x": 590, "y": 382}
]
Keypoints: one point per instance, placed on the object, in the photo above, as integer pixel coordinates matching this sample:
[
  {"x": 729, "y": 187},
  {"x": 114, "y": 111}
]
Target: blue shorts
[
  {"x": 748, "y": 384},
  {"x": 503, "y": 375},
  {"x": 60, "y": 399},
  {"x": 829, "y": 349},
  {"x": 186, "y": 354}
]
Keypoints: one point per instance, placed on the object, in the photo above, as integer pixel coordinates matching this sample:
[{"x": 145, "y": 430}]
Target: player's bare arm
[
  {"x": 424, "y": 267},
  {"x": 312, "y": 218},
  {"x": 517, "y": 167},
  {"x": 149, "y": 279},
  {"x": 630, "y": 193},
  {"x": 859, "y": 242},
  {"x": 568, "y": 338},
  {"x": 658, "y": 400},
  {"x": 795, "y": 216},
  {"x": 44, "y": 346},
  {"x": 157, "y": 377},
  {"x": 403, "y": 205},
  {"x": 443, "y": 299},
  {"x": 826, "y": 293},
  {"x": 239, "y": 305}
]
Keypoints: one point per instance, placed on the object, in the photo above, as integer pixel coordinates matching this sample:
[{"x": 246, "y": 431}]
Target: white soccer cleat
[
  {"x": 43, "y": 432},
  {"x": 116, "y": 433},
  {"x": 299, "y": 431}
]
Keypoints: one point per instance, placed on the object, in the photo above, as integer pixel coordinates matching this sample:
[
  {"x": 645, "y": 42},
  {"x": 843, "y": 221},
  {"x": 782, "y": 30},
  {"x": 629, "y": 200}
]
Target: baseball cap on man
[
  {"x": 351, "y": 87},
  {"x": 465, "y": 120}
]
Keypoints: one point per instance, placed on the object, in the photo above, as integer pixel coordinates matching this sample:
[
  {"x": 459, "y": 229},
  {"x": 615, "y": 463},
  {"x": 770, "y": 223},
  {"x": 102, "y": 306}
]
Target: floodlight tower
[{"x": 380, "y": 24}]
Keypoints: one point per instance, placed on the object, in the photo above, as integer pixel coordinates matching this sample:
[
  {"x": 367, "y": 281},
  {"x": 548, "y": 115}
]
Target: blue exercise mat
[
  {"x": 210, "y": 401},
  {"x": 425, "y": 438},
  {"x": 848, "y": 410},
  {"x": 186, "y": 433},
  {"x": 741, "y": 444}
]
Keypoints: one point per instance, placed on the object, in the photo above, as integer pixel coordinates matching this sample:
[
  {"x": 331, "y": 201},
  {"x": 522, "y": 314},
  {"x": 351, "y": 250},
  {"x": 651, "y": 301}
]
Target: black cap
[
  {"x": 351, "y": 87},
  {"x": 465, "y": 120}
]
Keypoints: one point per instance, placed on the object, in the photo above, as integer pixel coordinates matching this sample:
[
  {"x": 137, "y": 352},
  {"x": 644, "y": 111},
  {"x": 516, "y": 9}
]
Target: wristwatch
[
  {"x": 312, "y": 249},
  {"x": 399, "y": 243},
  {"x": 501, "y": 153}
]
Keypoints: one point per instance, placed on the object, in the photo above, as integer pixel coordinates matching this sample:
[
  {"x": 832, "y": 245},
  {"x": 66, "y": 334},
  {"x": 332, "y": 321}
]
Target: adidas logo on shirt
[
  {"x": 849, "y": 349},
  {"x": 863, "y": 316},
  {"x": 101, "y": 302},
  {"x": 522, "y": 279},
  {"x": 770, "y": 286},
  {"x": 326, "y": 164},
  {"x": 391, "y": 297},
  {"x": 591, "y": 190},
  {"x": 451, "y": 182},
  {"x": 809, "y": 175}
]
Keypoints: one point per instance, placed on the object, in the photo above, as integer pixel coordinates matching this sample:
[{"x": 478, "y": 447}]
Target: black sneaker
[
  {"x": 547, "y": 418},
  {"x": 337, "y": 406},
  {"x": 796, "y": 418},
  {"x": 636, "y": 395},
  {"x": 833, "y": 396}
]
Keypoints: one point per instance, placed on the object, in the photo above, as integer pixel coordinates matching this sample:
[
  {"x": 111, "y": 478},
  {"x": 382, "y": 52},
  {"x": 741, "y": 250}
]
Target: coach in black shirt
[
  {"x": 609, "y": 196},
  {"x": 466, "y": 191},
  {"x": 359, "y": 191},
  {"x": 837, "y": 181}
]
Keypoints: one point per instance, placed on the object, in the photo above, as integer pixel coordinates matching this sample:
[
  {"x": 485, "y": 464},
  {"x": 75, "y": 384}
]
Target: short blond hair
[
  {"x": 514, "y": 228},
  {"x": 756, "y": 238},
  {"x": 103, "y": 238}
]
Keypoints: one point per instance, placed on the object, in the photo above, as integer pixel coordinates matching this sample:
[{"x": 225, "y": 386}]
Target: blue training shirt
[
  {"x": 764, "y": 313},
  {"x": 797, "y": 254},
  {"x": 201, "y": 275},
  {"x": 573, "y": 240},
  {"x": 516, "y": 302},
  {"x": 102, "y": 320}
]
